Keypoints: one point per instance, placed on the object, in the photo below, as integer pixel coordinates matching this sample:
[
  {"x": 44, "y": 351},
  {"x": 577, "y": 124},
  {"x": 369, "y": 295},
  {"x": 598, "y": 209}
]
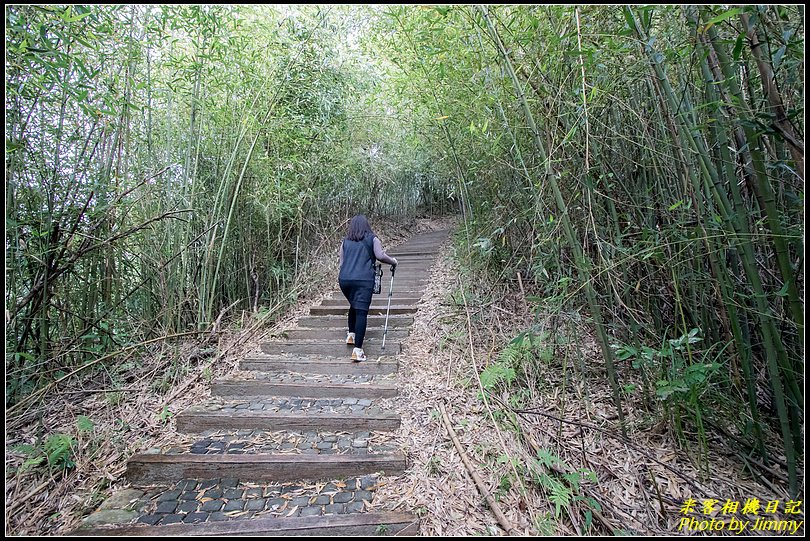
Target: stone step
[
  {"x": 338, "y": 334},
  {"x": 373, "y": 310},
  {"x": 298, "y": 405},
  {"x": 315, "y": 380},
  {"x": 409, "y": 265},
  {"x": 433, "y": 240},
  {"x": 241, "y": 388},
  {"x": 404, "y": 283},
  {"x": 417, "y": 270},
  {"x": 353, "y": 524},
  {"x": 196, "y": 422},
  {"x": 425, "y": 252},
  {"x": 298, "y": 442},
  {"x": 194, "y": 501},
  {"x": 405, "y": 262},
  {"x": 404, "y": 289},
  {"x": 318, "y": 364},
  {"x": 415, "y": 290},
  {"x": 329, "y": 348},
  {"x": 145, "y": 469},
  {"x": 373, "y": 321},
  {"x": 377, "y": 301}
]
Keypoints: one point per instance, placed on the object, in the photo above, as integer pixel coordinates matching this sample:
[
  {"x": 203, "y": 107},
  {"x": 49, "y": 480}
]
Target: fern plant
[
  {"x": 561, "y": 497},
  {"x": 57, "y": 452},
  {"x": 503, "y": 371},
  {"x": 84, "y": 424},
  {"x": 563, "y": 489},
  {"x": 34, "y": 454},
  {"x": 497, "y": 373}
]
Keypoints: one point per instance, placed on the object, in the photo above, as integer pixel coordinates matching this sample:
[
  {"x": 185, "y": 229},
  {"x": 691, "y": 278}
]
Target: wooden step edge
[
  {"x": 351, "y": 524},
  {"x": 336, "y": 333},
  {"x": 374, "y": 306},
  {"x": 299, "y": 362},
  {"x": 337, "y": 329},
  {"x": 377, "y": 321},
  {"x": 329, "y": 349},
  {"x": 325, "y": 322},
  {"x": 243, "y": 388},
  {"x": 195, "y": 422},
  {"x": 340, "y": 319},
  {"x": 149, "y": 469},
  {"x": 341, "y": 302},
  {"x": 372, "y": 311},
  {"x": 322, "y": 341},
  {"x": 336, "y": 367}
]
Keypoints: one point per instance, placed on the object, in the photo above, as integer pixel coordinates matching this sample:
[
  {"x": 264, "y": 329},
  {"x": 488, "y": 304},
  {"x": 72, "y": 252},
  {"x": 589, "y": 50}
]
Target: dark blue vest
[{"x": 358, "y": 259}]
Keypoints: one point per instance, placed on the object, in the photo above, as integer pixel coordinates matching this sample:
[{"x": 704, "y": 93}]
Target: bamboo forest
[{"x": 590, "y": 226}]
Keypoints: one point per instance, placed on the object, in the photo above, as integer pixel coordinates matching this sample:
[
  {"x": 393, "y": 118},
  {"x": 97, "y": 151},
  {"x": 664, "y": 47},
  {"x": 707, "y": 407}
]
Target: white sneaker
[
  {"x": 350, "y": 338},
  {"x": 358, "y": 354}
]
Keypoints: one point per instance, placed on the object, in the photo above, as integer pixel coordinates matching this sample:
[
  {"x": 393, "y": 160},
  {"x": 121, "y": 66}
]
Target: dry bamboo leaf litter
[{"x": 431, "y": 369}]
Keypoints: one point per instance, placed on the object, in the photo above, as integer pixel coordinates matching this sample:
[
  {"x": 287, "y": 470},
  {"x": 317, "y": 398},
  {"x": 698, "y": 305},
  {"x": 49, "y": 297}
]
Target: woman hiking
[{"x": 359, "y": 251}]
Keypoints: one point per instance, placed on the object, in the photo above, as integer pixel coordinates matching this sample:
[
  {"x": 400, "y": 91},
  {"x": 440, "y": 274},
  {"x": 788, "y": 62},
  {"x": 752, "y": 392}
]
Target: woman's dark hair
[{"x": 359, "y": 228}]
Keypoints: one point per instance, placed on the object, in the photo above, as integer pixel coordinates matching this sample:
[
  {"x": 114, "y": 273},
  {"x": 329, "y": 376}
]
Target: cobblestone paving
[
  {"x": 312, "y": 379},
  {"x": 194, "y": 501},
  {"x": 395, "y": 321},
  {"x": 304, "y": 443},
  {"x": 349, "y": 406}
]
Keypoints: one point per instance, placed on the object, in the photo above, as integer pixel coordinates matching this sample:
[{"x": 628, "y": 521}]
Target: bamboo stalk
[
  {"x": 479, "y": 483},
  {"x": 777, "y": 107},
  {"x": 582, "y": 261},
  {"x": 762, "y": 187},
  {"x": 743, "y": 344},
  {"x": 775, "y": 357}
]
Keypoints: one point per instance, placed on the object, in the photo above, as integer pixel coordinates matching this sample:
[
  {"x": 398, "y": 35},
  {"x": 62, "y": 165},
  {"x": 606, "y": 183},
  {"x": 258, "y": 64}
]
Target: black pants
[
  {"x": 358, "y": 320},
  {"x": 358, "y": 293}
]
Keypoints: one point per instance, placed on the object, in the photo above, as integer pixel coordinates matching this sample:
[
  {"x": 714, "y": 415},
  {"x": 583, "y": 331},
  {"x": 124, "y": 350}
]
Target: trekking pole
[{"x": 390, "y": 294}]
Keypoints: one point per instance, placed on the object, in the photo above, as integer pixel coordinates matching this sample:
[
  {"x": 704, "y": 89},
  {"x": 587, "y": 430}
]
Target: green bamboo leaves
[
  {"x": 783, "y": 373},
  {"x": 582, "y": 262},
  {"x": 645, "y": 161},
  {"x": 169, "y": 165}
]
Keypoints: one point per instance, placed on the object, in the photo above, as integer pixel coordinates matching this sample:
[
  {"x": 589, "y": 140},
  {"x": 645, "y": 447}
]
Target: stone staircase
[{"x": 297, "y": 441}]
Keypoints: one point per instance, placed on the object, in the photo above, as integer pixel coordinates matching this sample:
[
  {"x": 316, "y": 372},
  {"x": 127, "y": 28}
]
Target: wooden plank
[
  {"x": 349, "y": 524},
  {"x": 412, "y": 261},
  {"x": 199, "y": 421},
  {"x": 379, "y": 310},
  {"x": 230, "y": 388},
  {"x": 144, "y": 469},
  {"x": 374, "y": 322},
  {"x": 409, "y": 274},
  {"x": 339, "y": 334},
  {"x": 423, "y": 251},
  {"x": 398, "y": 300},
  {"x": 330, "y": 348},
  {"x": 317, "y": 365}
]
